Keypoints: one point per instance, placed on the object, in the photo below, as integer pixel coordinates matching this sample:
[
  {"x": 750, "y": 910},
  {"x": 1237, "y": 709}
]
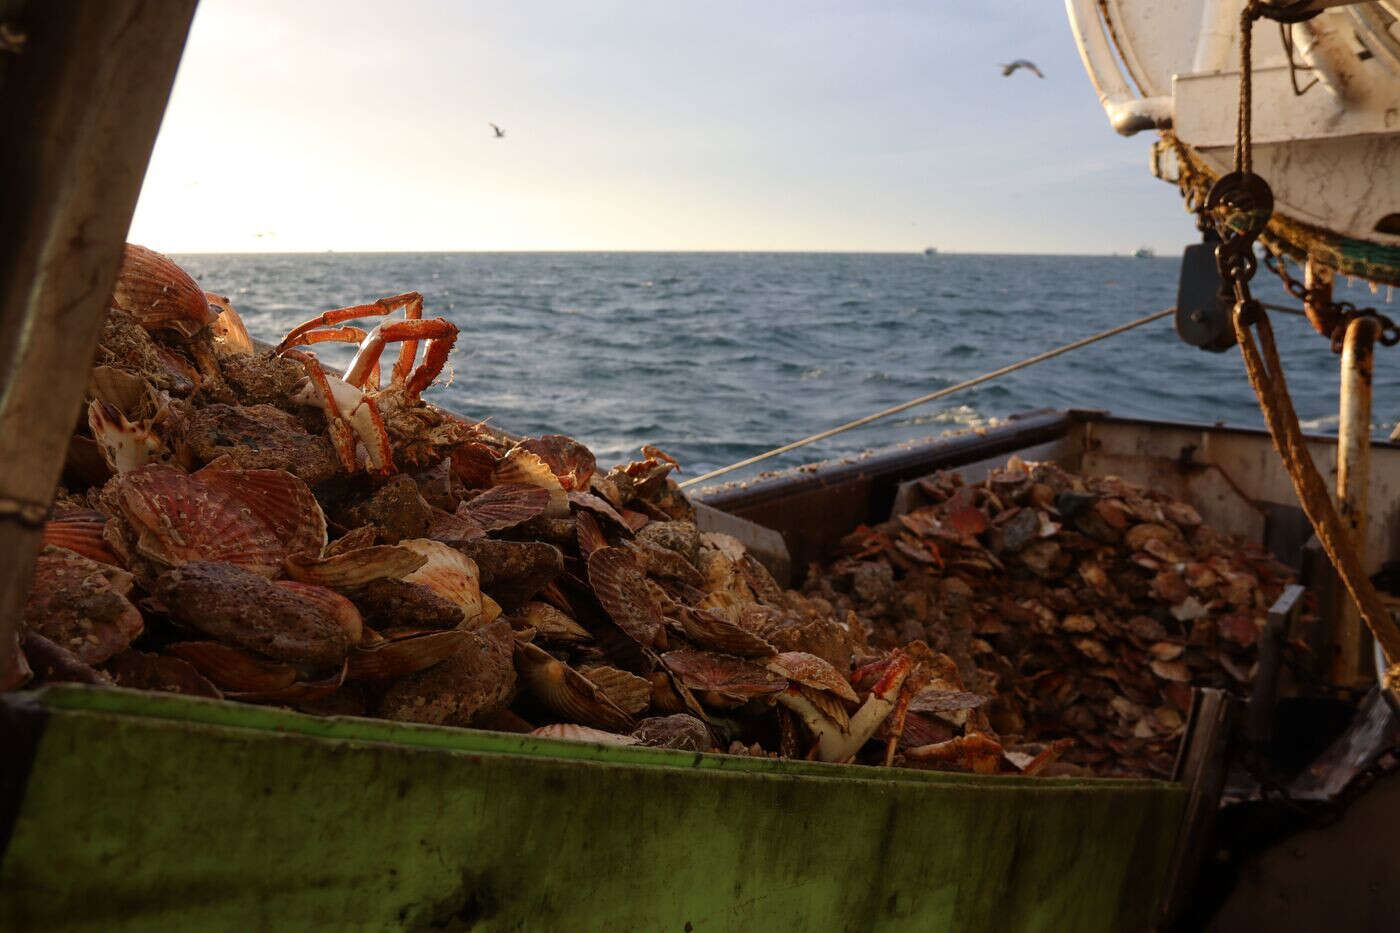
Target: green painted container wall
[{"x": 145, "y": 811}]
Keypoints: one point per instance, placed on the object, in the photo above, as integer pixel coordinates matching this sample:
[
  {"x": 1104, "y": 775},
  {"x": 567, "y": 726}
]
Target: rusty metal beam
[{"x": 80, "y": 104}]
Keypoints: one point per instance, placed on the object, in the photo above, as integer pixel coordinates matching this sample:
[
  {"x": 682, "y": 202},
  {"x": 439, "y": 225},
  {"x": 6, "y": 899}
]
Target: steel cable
[{"x": 932, "y": 396}]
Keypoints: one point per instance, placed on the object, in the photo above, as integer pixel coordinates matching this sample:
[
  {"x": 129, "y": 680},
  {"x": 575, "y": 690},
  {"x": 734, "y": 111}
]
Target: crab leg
[
  {"x": 411, "y": 302},
  {"x": 441, "y": 334},
  {"x": 835, "y": 743},
  {"x": 342, "y": 435},
  {"x": 347, "y": 334}
]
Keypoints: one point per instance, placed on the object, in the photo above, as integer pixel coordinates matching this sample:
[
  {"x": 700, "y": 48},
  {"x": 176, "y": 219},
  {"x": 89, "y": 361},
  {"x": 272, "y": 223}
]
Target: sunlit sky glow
[{"x": 643, "y": 126}]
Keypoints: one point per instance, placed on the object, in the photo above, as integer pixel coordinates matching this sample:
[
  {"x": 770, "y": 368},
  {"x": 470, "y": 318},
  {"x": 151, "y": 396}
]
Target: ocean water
[{"x": 718, "y": 356}]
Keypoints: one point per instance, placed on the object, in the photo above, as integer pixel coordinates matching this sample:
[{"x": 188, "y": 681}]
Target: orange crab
[{"x": 355, "y": 405}]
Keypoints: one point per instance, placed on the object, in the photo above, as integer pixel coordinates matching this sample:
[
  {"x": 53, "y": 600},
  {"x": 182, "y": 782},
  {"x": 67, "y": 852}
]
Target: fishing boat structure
[{"x": 127, "y": 808}]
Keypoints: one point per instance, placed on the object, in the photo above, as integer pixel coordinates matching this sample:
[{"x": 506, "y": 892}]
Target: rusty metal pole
[
  {"x": 1353, "y": 480},
  {"x": 81, "y": 100}
]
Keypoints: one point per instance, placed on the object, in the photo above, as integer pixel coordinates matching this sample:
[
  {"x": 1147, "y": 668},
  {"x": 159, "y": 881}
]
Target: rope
[
  {"x": 1243, "y": 157},
  {"x": 941, "y": 393},
  {"x": 1266, "y": 376}
]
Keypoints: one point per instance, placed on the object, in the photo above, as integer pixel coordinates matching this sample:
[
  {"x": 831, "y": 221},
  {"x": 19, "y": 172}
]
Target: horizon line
[{"x": 502, "y": 252}]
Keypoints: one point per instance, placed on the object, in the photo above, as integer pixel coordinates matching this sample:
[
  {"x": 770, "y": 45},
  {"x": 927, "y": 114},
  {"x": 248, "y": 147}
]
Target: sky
[{"x": 860, "y": 126}]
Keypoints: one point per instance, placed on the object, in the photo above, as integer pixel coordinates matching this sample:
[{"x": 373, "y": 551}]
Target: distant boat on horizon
[
  {"x": 1143, "y": 252},
  {"x": 930, "y": 251}
]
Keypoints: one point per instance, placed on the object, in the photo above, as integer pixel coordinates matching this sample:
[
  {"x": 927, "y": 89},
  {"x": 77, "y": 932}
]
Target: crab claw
[{"x": 835, "y": 743}]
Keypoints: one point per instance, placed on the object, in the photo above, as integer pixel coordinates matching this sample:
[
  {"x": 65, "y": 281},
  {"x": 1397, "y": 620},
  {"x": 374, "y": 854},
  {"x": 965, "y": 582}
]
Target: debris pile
[{"x": 1083, "y": 608}]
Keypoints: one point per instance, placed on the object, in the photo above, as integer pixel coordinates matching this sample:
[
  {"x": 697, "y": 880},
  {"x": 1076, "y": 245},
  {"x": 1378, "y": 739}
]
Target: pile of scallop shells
[
  {"x": 236, "y": 523},
  {"x": 1080, "y": 608}
]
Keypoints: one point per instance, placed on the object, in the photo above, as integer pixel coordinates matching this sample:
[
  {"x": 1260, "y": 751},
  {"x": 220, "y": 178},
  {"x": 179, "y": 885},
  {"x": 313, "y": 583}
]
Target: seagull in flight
[
  {"x": 500, "y": 133},
  {"x": 1020, "y": 63}
]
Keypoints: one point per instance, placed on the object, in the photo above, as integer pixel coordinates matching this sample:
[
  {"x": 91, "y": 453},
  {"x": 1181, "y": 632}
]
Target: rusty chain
[{"x": 1332, "y": 317}]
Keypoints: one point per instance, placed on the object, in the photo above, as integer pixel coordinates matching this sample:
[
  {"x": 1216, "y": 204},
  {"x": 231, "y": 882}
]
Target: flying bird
[
  {"x": 1020, "y": 63},
  {"x": 500, "y": 133}
]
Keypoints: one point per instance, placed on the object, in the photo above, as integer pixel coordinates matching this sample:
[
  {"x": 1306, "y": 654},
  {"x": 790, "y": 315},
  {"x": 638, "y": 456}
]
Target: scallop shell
[
  {"x": 288, "y": 621},
  {"x": 232, "y": 669},
  {"x": 710, "y": 629},
  {"x": 619, "y": 585},
  {"x": 506, "y": 505},
  {"x": 727, "y": 676},
  {"x": 280, "y": 500},
  {"x": 477, "y": 681},
  {"x": 142, "y": 671},
  {"x": 406, "y": 654},
  {"x": 599, "y": 506},
  {"x": 81, "y": 605},
  {"x": 590, "y": 536},
  {"x": 124, "y": 445},
  {"x": 812, "y": 671},
  {"x": 521, "y": 466},
  {"x": 353, "y": 540},
  {"x": 664, "y": 562},
  {"x": 631, "y": 693},
  {"x": 565, "y": 691},
  {"x": 473, "y": 464},
  {"x": 680, "y": 731},
  {"x": 360, "y": 567},
  {"x": 450, "y": 574},
  {"x": 179, "y": 518},
  {"x": 159, "y": 294},
  {"x": 830, "y": 705},
  {"x": 550, "y": 624},
  {"x": 573, "y": 732},
  {"x": 569, "y": 460},
  {"x": 81, "y": 532},
  {"x": 760, "y": 580},
  {"x": 453, "y": 527}
]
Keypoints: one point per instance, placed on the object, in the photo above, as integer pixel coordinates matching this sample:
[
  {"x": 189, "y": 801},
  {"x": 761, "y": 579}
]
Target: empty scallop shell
[
  {"x": 81, "y": 532},
  {"x": 81, "y": 605},
  {"x": 573, "y": 732},
  {"x": 506, "y": 505},
  {"x": 569, "y": 460},
  {"x": 812, "y": 671},
  {"x": 360, "y": 567},
  {"x": 631, "y": 693},
  {"x": 565, "y": 691},
  {"x": 550, "y": 624},
  {"x": 159, "y": 294},
  {"x": 619, "y": 585},
  {"x": 712, "y": 630},
  {"x": 451, "y": 574},
  {"x": 521, "y": 466},
  {"x": 405, "y": 654},
  {"x": 233, "y": 669},
  {"x": 727, "y": 676}
]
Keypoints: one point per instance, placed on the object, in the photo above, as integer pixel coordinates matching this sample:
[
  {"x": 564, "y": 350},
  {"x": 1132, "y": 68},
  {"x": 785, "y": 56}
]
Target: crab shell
[{"x": 159, "y": 294}]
